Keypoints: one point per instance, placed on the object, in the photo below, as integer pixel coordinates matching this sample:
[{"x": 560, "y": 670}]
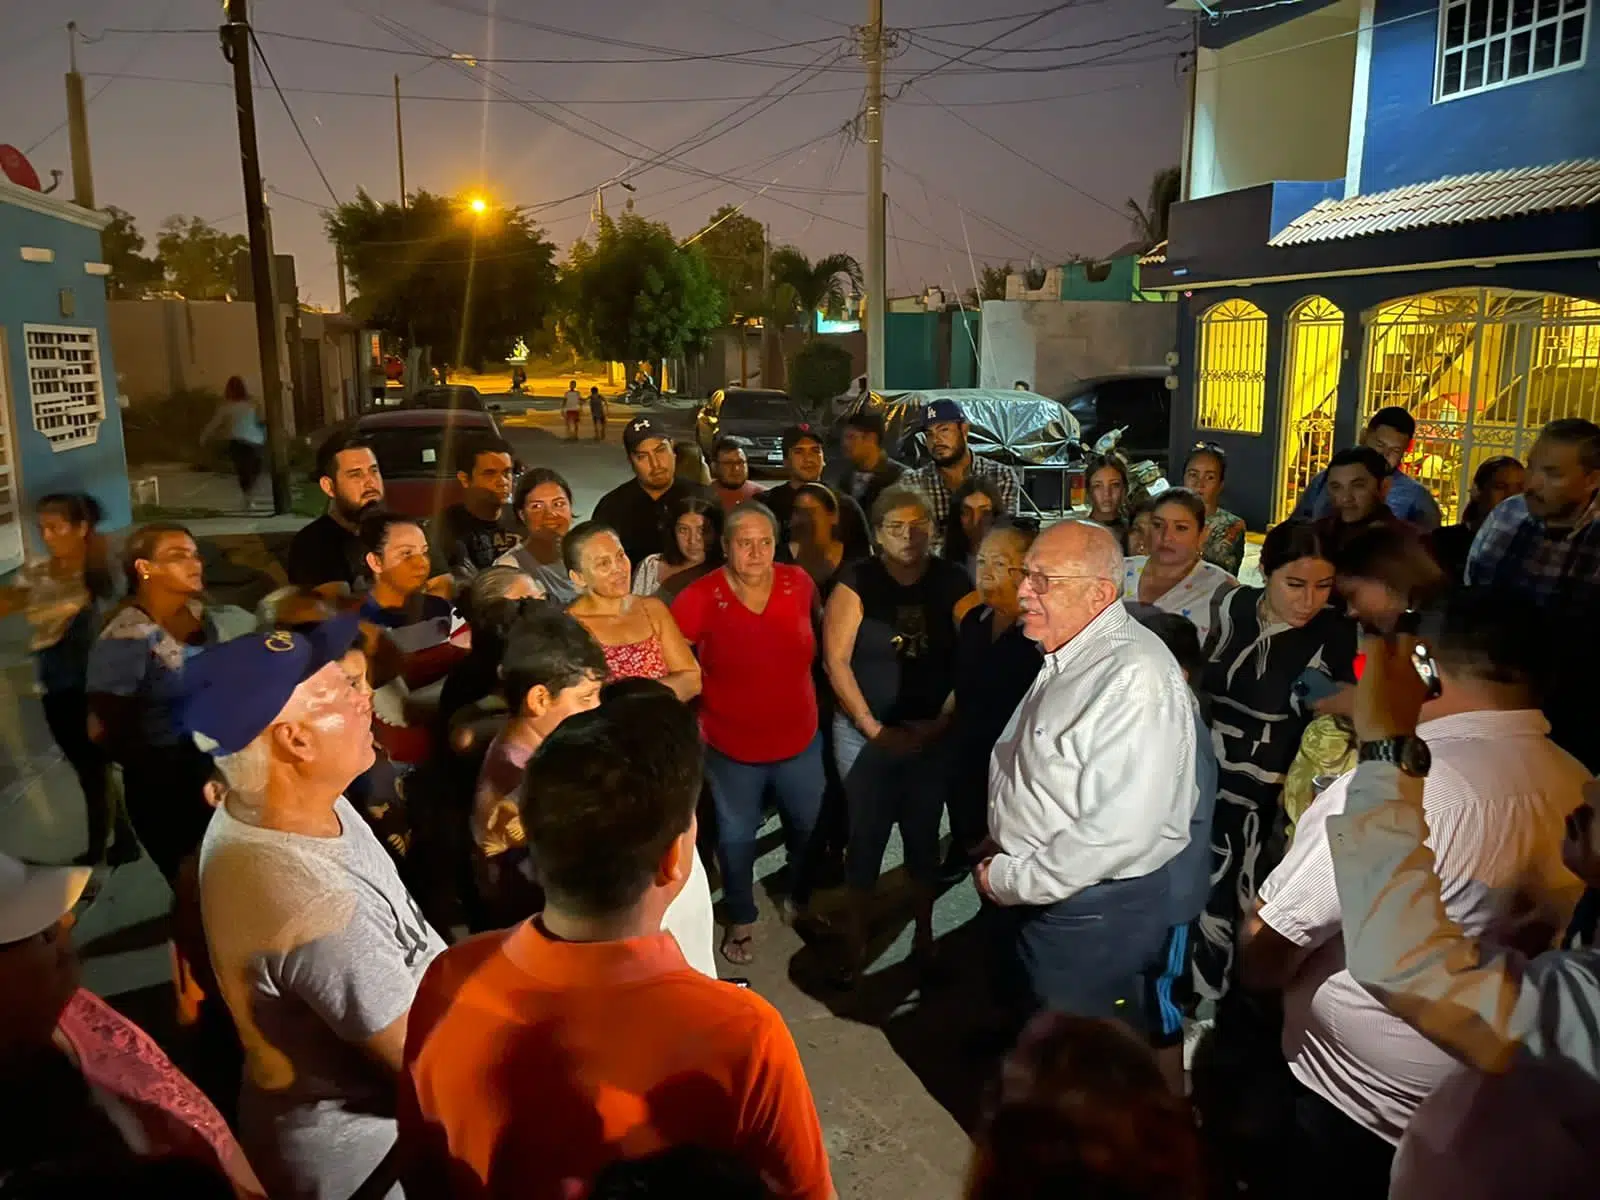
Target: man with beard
[
  {"x": 480, "y": 527},
  {"x": 637, "y": 509},
  {"x": 327, "y": 554},
  {"x": 945, "y": 433},
  {"x": 730, "y": 473},
  {"x": 803, "y": 459}
]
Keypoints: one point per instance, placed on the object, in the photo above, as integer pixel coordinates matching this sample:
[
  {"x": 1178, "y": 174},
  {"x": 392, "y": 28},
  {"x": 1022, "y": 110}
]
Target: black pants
[
  {"x": 1333, "y": 1157},
  {"x": 164, "y": 788},
  {"x": 67, "y": 715},
  {"x": 246, "y": 458}
]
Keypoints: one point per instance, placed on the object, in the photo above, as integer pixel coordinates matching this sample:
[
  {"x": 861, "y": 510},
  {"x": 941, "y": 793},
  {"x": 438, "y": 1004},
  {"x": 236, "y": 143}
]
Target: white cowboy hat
[{"x": 32, "y": 899}]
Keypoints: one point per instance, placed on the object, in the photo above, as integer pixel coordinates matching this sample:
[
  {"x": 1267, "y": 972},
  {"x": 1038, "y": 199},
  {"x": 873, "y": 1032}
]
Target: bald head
[
  {"x": 1080, "y": 548},
  {"x": 1074, "y": 573}
]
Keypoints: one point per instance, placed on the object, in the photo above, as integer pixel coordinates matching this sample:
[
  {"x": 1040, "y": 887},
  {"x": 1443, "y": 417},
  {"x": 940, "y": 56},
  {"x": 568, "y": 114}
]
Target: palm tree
[
  {"x": 1150, "y": 219},
  {"x": 811, "y": 287}
]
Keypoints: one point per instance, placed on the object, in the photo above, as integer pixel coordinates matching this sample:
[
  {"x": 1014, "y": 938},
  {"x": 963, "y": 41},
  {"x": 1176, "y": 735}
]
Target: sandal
[{"x": 738, "y": 949}]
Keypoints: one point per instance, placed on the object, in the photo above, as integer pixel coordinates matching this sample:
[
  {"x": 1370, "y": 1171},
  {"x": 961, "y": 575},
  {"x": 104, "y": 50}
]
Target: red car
[{"x": 416, "y": 451}]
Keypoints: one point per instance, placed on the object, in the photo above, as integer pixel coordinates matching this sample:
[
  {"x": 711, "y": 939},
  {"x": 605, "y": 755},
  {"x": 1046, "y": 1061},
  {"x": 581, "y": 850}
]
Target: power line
[
  {"x": 1022, "y": 242},
  {"x": 261, "y": 55},
  {"x": 954, "y": 59},
  {"x": 1110, "y": 58},
  {"x": 1173, "y": 30},
  {"x": 135, "y": 56}
]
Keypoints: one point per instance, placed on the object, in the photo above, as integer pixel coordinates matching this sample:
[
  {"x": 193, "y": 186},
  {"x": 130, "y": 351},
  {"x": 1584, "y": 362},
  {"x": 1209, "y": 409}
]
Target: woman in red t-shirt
[{"x": 753, "y": 625}]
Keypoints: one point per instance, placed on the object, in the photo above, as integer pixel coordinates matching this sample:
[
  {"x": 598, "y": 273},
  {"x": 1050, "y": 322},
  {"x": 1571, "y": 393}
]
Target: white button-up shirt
[{"x": 1093, "y": 779}]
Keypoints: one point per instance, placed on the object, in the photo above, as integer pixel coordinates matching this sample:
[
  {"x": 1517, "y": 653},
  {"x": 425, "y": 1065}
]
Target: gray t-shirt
[
  {"x": 557, "y": 584},
  {"x": 317, "y": 946}
]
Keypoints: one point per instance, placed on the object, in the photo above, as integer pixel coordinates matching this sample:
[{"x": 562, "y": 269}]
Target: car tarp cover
[{"x": 1012, "y": 426}]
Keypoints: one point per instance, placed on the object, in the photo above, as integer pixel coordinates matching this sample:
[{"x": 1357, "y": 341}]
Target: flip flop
[{"x": 737, "y": 950}]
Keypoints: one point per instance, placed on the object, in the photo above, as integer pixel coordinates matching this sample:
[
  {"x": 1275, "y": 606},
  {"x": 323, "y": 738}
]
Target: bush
[
  {"x": 818, "y": 372},
  {"x": 168, "y": 430}
]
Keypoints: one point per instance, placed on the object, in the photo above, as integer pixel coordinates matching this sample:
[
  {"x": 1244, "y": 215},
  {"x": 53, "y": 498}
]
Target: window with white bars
[
  {"x": 64, "y": 384},
  {"x": 1486, "y": 44}
]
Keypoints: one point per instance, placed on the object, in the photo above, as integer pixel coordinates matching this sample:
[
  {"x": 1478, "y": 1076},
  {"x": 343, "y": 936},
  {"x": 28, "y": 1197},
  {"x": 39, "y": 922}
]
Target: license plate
[{"x": 775, "y": 456}]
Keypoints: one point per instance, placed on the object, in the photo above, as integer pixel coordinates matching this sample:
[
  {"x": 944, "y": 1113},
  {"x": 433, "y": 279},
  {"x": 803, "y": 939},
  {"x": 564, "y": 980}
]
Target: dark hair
[
  {"x": 141, "y": 544},
  {"x": 473, "y": 447},
  {"x": 677, "y": 1173},
  {"x": 823, "y": 494},
  {"x": 728, "y": 442},
  {"x": 1396, "y": 418},
  {"x": 1493, "y": 636},
  {"x": 235, "y": 389},
  {"x": 1184, "y": 499},
  {"x": 328, "y": 452},
  {"x": 79, "y": 508},
  {"x": 1290, "y": 541},
  {"x": 1575, "y": 431},
  {"x": 1213, "y": 450},
  {"x": 375, "y": 529},
  {"x": 1082, "y": 1110},
  {"x": 578, "y": 537},
  {"x": 1101, "y": 462},
  {"x": 1396, "y": 558},
  {"x": 957, "y": 549},
  {"x": 537, "y": 477},
  {"x": 1145, "y": 507},
  {"x": 867, "y": 420},
  {"x": 699, "y": 506},
  {"x": 547, "y": 649},
  {"x": 1482, "y": 479},
  {"x": 1177, "y": 633},
  {"x": 633, "y": 687},
  {"x": 1362, "y": 456},
  {"x": 607, "y": 793}
]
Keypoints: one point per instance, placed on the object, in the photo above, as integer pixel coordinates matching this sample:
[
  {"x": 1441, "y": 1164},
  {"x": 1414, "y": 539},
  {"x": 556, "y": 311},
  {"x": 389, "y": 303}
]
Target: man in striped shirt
[
  {"x": 945, "y": 431},
  {"x": 1496, "y": 800}
]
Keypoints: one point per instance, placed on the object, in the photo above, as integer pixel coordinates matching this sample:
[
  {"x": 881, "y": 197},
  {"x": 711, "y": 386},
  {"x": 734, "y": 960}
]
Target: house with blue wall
[
  {"x": 1387, "y": 202},
  {"x": 60, "y": 427}
]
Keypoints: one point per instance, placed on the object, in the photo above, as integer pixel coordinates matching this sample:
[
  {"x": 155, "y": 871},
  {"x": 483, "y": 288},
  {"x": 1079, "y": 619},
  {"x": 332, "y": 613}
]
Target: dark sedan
[
  {"x": 457, "y": 396},
  {"x": 416, "y": 451},
  {"x": 758, "y": 415}
]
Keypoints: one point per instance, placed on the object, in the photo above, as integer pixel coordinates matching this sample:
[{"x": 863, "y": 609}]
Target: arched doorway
[
  {"x": 1314, "y": 336},
  {"x": 1231, "y": 362}
]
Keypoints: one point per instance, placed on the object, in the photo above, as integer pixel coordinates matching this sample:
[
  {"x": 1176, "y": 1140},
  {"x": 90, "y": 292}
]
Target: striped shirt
[
  {"x": 1556, "y": 569},
  {"x": 1496, "y": 801},
  {"x": 931, "y": 484}
]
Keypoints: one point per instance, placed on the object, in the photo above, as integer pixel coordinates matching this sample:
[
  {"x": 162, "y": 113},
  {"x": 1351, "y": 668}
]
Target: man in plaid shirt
[
  {"x": 945, "y": 431},
  {"x": 1544, "y": 547}
]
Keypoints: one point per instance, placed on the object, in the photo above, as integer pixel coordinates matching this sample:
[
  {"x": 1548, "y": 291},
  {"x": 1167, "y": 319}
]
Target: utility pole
[
  {"x": 600, "y": 205},
  {"x": 236, "y": 49},
  {"x": 78, "y": 125},
  {"x": 873, "y": 50},
  {"x": 400, "y": 141}
]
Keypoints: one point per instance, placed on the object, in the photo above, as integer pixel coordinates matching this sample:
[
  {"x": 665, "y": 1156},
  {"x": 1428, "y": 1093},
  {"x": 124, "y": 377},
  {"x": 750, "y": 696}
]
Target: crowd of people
[{"x": 432, "y": 820}]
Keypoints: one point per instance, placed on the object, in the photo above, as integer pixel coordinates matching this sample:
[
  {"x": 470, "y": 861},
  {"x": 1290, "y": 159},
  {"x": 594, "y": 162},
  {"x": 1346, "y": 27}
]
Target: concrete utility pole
[
  {"x": 872, "y": 47},
  {"x": 236, "y": 49},
  {"x": 400, "y": 141},
  {"x": 78, "y": 125}
]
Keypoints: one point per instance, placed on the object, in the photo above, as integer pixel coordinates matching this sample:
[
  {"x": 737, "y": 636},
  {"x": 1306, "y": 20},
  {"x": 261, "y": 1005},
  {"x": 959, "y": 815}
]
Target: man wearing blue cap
[
  {"x": 317, "y": 946},
  {"x": 945, "y": 434}
]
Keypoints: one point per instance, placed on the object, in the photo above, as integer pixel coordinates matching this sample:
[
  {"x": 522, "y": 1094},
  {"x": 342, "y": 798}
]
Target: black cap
[
  {"x": 803, "y": 432},
  {"x": 640, "y": 430}
]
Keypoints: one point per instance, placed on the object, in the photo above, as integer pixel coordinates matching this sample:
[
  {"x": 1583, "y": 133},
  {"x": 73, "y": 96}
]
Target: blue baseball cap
[
  {"x": 942, "y": 410},
  {"x": 232, "y": 692}
]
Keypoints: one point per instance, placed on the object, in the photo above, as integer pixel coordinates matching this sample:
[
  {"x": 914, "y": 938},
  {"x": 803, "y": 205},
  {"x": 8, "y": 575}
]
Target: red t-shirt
[
  {"x": 758, "y": 703},
  {"x": 532, "y": 1062}
]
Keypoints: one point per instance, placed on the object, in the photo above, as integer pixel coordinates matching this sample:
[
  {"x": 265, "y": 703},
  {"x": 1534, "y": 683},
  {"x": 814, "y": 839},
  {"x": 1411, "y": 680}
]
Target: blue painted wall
[
  {"x": 30, "y": 294},
  {"x": 1410, "y": 139}
]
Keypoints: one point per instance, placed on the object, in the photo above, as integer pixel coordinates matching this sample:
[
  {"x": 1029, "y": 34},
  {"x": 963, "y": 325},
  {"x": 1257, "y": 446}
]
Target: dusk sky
[{"x": 1091, "y": 93}]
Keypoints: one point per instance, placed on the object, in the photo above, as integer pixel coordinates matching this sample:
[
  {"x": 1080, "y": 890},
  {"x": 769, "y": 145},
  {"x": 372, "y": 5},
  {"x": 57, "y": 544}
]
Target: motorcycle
[
  {"x": 642, "y": 393},
  {"x": 1145, "y": 480}
]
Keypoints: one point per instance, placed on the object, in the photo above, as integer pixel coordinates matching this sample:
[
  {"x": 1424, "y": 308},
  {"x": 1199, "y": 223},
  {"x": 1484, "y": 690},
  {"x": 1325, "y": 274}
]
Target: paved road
[{"x": 886, "y": 1063}]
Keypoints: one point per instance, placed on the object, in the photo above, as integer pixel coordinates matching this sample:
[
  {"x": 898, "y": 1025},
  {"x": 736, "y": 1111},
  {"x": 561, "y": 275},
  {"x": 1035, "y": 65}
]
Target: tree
[
  {"x": 814, "y": 287},
  {"x": 1149, "y": 219},
  {"x": 734, "y": 250},
  {"x": 636, "y": 296},
  {"x": 819, "y": 371},
  {"x": 133, "y": 276},
  {"x": 199, "y": 259},
  {"x": 443, "y": 275},
  {"x": 991, "y": 285}
]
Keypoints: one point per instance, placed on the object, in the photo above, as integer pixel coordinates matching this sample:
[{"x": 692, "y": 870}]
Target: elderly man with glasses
[{"x": 1091, "y": 786}]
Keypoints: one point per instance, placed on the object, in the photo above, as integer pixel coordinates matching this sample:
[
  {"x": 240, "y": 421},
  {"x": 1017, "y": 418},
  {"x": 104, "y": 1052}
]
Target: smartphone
[
  {"x": 1422, "y": 660},
  {"x": 1313, "y": 686}
]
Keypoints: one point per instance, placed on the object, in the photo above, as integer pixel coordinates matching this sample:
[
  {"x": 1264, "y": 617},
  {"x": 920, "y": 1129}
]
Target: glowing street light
[{"x": 478, "y": 205}]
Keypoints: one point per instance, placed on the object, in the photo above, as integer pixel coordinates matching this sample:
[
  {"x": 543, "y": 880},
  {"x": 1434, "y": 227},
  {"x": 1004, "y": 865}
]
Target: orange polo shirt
[{"x": 531, "y": 1062}]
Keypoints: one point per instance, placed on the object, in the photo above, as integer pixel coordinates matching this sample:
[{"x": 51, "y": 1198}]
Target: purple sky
[{"x": 164, "y": 147}]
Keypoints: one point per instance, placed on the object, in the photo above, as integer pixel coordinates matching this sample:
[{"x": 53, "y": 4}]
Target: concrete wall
[
  {"x": 1276, "y": 105},
  {"x": 37, "y": 293},
  {"x": 1408, "y": 138},
  {"x": 1055, "y": 344}
]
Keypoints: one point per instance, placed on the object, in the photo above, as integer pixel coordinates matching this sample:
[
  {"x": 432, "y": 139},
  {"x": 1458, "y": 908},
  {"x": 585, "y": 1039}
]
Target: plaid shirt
[
  {"x": 1556, "y": 569},
  {"x": 931, "y": 484}
]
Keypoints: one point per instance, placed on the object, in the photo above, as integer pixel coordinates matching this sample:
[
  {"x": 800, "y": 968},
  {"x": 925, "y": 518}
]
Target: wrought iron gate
[{"x": 1315, "y": 342}]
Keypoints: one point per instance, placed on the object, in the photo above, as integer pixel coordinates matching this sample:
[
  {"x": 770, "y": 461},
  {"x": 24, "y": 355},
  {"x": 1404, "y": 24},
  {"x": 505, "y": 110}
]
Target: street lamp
[{"x": 478, "y": 205}]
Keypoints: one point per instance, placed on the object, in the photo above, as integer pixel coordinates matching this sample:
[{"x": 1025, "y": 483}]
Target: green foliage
[
  {"x": 1149, "y": 220},
  {"x": 634, "y": 296},
  {"x": 168, "y": 429},
  {"x": 199, "y": 259},
  {"x": 991, "y": 285},
  {"x": 734, "y": 250},
  {"x": 435, "y": 274},
  {"x": 133, "y": 276},
  {"x": 819, "y": 371},
  {"x": 810, "y": 287}
]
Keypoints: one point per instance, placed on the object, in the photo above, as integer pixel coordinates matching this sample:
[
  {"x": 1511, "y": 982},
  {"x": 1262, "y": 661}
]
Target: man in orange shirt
[{"x": 537, "y": 1055}]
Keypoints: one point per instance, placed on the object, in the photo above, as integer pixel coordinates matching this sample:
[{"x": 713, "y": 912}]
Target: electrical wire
[
  {"x": 1026, "y": 244},
  {"x": 954, "y": 59},
  {"x": 1110, "y": 58},
  {"x": 135, "y": 56},
  {"x": 261, "y": 55},
  {"x": 1180, "y": 31}
]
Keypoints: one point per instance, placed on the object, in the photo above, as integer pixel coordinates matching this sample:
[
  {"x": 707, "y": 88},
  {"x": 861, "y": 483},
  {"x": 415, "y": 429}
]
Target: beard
[
  {"x": 950, "y": 457},
  {"x": 353, "y": 514}
]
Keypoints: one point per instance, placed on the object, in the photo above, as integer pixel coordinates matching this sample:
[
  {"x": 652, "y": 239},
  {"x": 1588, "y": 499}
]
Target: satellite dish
[
  {"x": 18, "y": 169},
  {"x": 1033, "y": 277}
]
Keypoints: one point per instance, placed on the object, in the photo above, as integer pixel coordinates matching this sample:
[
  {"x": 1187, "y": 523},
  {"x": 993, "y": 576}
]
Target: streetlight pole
[{"x": 873, "y": 49}]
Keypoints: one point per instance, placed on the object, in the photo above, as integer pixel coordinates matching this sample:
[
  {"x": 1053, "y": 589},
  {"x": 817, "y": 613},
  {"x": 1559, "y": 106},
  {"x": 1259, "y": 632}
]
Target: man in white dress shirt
[{"x": 1092, "y": 785}]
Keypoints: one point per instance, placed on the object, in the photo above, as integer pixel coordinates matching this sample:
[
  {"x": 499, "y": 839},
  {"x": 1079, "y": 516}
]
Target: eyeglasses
[
  {"x": 906, "y": 528},
  {"x": 1040, "y": 582},
  {"x": 1014, "y": 572}
]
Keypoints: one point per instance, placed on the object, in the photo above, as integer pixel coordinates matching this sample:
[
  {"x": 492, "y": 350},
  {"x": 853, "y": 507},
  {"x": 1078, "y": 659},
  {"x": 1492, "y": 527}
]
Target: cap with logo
[
  {"x": 233, "y": 692},
  {"x": 32, "y": 899},
  {"x": 803, "y": 432},
  {"x": 940, "y": 411},
  {"x": 639, "y": 431}
]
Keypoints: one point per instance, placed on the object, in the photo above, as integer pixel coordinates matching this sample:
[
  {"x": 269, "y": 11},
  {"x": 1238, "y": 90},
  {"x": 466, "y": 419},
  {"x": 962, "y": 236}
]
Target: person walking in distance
[
  {"x": 597, "y": 413},
  {"x": 247, "y": 436},
  {"x": 572, "y": 409}
]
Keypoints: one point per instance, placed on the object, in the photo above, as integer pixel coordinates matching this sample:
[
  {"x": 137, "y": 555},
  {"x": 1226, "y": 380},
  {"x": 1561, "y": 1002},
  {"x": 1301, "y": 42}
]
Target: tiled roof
[
  {"x": 1453, "y": 200},
  {"x": 1158, "y": 254}
]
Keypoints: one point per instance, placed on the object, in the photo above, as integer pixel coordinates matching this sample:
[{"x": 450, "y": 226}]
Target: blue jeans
[
  {"x": 737, "y": 789},
  {"x": 883, "y": 789}
]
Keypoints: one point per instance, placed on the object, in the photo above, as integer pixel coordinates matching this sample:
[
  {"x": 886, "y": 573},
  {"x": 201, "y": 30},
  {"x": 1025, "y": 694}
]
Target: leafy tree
[
  {"x": 814, "y": 286},
  {"x": 991, "y": 285},
  {"x": 133, "y": 276},
  {"x": 635, "y": 296},
  {"x": 437, "y": 274},
  {"x": 199, "y": 259},
  {"x": 1149, "y": 219},
  {"x": 819, "y": 371},
  {"x": 734, "y": 250}
]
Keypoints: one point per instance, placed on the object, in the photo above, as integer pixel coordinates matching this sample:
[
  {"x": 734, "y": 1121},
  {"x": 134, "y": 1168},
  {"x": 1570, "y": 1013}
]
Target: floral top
[
  {"x": 1224, "y": 541},
  {"x": 1190, "y": 597}
]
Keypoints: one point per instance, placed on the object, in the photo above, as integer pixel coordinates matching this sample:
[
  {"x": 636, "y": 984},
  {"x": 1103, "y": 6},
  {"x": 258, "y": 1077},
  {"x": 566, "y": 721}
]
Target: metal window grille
[
  {"x": 64, "y": 384},
  {"x": 1231, "y": 380},
  {"x": 1487, "y": 44},
  {"x": 1315, "y": 343}
]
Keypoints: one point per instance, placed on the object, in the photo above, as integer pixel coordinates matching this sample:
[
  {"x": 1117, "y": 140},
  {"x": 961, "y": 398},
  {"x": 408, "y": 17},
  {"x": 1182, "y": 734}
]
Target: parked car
[
  {"x": 450, "y": 395},
  {"x": 416, "y": 453},
  {"x": 758, "y": 415},
  {"x": 1008, "y": 424},
  {"x": 1139, "y": 402}
]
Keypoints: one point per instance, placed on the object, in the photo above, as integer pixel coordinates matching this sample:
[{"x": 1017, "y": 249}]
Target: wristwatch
[{"x": 1410, "y": 754}]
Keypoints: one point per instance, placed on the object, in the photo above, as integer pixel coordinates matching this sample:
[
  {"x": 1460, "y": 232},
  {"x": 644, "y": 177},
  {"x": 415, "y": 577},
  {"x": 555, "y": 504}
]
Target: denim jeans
[
  {"x": 737, "y": 789},
  {"x": 884, "y": 789}
]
